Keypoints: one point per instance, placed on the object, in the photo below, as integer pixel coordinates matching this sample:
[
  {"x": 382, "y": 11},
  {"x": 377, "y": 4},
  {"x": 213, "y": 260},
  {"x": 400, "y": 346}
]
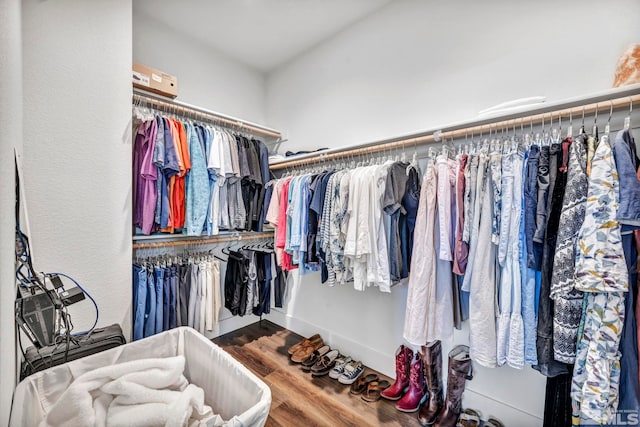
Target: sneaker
[
  {"x": 352, "y": 371},
  {"x": 338, "y": 368}
]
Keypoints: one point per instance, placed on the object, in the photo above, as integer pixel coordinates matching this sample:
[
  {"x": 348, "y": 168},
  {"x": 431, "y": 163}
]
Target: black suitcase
[{"x": 99, "y": 340}]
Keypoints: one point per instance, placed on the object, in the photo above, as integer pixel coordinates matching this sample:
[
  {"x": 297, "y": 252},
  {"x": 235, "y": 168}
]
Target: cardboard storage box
[{"x": 155, "y": 81}]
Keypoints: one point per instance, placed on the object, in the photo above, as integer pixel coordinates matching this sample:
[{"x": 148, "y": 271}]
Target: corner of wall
[{"x": 10, "y": 139}]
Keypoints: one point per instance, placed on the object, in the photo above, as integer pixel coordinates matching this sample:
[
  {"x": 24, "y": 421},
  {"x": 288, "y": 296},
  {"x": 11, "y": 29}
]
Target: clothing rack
[
  {"x": 143, "y": 98},
  {"x": 229, "y": 237},
  {"x": 569, "y": 110}
]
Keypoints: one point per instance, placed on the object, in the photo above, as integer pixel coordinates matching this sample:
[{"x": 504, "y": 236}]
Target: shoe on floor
[
  {"x": 352, "y": 371},
  {"x": 361, "y": 384},
  {"x": 492, "y": 422},
  {"x": 325, "y": 364},
  {"x": 417, "y": 392},
  {"x": 469, "y": 418},
  {"x": 305, "y": 341},
  {"x": 372, "y": 393},
  {"x": 401, "y": 384},
  {"x": 314, "y": 357},
  {"x": 338, "y": 368},
  {"x": 306, "y": 350}
]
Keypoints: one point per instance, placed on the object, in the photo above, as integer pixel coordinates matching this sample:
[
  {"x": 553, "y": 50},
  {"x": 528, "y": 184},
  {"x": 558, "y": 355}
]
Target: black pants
[{"x": 235, "y": 283}]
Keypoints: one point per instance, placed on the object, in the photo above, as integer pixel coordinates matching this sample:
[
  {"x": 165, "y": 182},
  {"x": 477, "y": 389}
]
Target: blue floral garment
[{"x": 601, "y": 273}]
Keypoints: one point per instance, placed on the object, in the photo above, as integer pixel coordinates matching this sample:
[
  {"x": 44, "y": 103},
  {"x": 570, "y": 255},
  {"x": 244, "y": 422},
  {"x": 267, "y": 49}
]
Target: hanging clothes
[
  {"x": 353, "y": 225},
  {"x": 248, "y": 282},
  {"x": 194, "y": 178},
  {"x": 601, "y": 272},
  {"x": 182, "y": 292}
]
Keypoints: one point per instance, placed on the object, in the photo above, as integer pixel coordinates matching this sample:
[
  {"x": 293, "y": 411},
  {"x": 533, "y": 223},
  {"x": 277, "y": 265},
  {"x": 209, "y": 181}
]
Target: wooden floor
[{"x": 298, "y": 399}]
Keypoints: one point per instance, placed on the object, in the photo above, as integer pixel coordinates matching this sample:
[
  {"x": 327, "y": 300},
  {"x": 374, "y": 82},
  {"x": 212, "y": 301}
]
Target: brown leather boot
[
  {"x": 403, "y": 361},
  {"x": 460, "y": 370},
  {"x": 433, "y": 373},
  {"x": 417, "y": 392}
]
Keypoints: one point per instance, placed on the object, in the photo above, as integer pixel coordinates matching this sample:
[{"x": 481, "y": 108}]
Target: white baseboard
[{"x": 231, "y": 324}]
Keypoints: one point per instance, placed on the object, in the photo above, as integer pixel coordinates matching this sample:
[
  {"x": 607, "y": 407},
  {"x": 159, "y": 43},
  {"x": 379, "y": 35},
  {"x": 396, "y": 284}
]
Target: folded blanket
[{"x": 146, "y": 392}]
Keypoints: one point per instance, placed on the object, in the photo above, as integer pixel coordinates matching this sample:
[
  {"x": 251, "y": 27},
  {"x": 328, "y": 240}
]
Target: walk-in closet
[{"x": 327, "y": 213}]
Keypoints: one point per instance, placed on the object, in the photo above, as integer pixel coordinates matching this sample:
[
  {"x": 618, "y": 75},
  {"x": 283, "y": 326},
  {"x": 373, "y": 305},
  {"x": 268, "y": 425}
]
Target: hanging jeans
[
  {"x": 139, "y": 301},
  {"x": 169, "y": 274},
  {"x": 150, "y": 311},
  {"x": 547, "y": 365},
  {"x": 629, "y": 390},
  {"x": 557, "y": 401},
  {"x": 279, "y": 286},
  {"x": 159, "y": 279}
]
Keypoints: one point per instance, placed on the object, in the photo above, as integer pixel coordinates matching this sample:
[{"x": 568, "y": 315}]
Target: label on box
[
  {"x": 141, "y": 79},
  {"x": 156, "y": 77}
]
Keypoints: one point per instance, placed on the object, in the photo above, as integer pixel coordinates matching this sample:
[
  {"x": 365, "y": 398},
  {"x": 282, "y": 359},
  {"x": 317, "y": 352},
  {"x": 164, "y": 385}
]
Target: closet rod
[
  {"x": 618, "y": 99},
  {"x": 188, "y": 110},
  {"x": 214, "y": 239}
]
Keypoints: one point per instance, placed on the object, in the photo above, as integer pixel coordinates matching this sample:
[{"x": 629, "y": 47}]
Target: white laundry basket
[{"x": 231, "y": 390}]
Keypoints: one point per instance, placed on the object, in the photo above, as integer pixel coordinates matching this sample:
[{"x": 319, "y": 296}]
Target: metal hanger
[
  {"x": 607, "y": 128},
  {"x": 627, "y": 120}
]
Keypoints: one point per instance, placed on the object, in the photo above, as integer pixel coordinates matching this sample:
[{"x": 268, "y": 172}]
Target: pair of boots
[{"x": 418, "y": 384}]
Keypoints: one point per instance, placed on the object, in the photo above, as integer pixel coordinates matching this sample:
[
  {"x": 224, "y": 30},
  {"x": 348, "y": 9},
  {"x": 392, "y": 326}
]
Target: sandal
[
  {"x": 314, "y": 357},
  {"x": 372, "y": 393},
  {"x": 325, "y": 364},
  {"x": 307, "y": 351},
  {"x": 469, "y": 418},
  {"x": 304, "y": 342},
  {"x": 492, "y": 422},
  {"x": 362, "y": 383}
]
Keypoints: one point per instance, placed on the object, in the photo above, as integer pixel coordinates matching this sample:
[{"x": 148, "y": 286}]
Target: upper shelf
[
  {"x": 616, "y": 99},
  {"x": 141, "y": 97}
]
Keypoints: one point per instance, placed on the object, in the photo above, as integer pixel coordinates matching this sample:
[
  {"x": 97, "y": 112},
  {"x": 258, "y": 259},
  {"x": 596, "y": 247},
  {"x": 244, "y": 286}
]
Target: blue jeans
[
  {"x": 629, "y": 390},
  {"x": 159, "y": 276},
  {"x": 150, "y": 310},
  {"x": 173, "y": 292},
  {"x": 534, "y": 253},
  {"x": 139, "y": 301}
]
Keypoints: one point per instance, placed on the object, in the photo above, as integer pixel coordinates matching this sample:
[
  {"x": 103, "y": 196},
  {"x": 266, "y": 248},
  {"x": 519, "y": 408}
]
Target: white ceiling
[{"x": 261, "y": 33}]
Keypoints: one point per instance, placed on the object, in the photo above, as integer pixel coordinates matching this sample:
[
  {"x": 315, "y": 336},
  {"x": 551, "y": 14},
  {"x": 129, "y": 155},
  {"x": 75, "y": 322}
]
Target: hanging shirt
[
  {"x": 567, "y": 300},
  {"x": 281, "y": 231},
  {"x": 158, "y": 160},
  {"x": 197, "y": 186},
  {"x": 419, "y": 322},
  {"x": 145, "y": 176},
  {"x": 600, "y": 263}
]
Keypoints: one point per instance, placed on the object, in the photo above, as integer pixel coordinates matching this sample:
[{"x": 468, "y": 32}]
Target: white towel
[{"x": 146, "y": 392}]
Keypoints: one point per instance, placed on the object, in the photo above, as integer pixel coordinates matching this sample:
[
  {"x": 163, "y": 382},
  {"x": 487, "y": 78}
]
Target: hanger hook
[
  {"x": 610, "y": 111},
  {"x": 595, "y": 117}
]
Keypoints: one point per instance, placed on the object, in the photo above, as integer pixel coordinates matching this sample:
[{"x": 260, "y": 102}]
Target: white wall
[
  {"x": 77, "y": 158},
  {"x": 206, "y": 78},
  {"x": 10, "y": 137},
  {"x": 415, "y": 65}
]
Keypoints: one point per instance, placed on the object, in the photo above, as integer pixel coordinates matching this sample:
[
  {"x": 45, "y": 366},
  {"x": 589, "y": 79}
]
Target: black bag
[{"x": 99, "y": 340}]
